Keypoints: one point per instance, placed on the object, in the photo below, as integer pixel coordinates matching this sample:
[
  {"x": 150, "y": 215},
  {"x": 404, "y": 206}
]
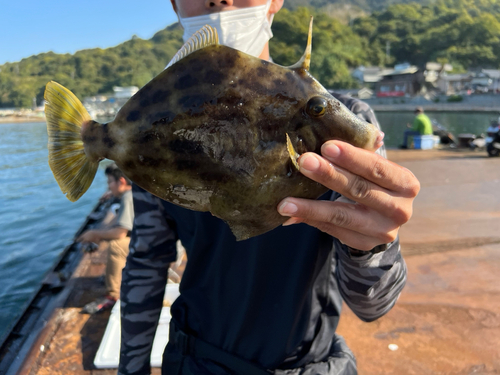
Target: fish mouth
[
  {"x": 372, "y": 138},
  {"x": 375, "y": 139},
  {"x": 379, "y": 141}
]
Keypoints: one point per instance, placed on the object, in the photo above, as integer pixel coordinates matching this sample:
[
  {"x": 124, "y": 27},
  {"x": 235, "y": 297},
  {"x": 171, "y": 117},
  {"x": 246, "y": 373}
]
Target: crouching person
[{"x": 115, "y": 237}]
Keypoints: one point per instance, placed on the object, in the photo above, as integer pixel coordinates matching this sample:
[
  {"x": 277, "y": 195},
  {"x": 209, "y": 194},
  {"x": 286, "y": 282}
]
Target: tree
[
  {"x": 335, "y": 47},
  {"x": 89, "y": 72}
]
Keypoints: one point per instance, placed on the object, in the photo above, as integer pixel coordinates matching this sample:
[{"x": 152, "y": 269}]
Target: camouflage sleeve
[
  {"x": 370, "y": 284},
  {"x": 152, "y": 249}
]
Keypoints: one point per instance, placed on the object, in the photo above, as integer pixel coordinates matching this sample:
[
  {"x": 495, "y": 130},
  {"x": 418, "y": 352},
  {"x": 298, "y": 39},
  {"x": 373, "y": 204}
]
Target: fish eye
[{"x": 316, "y": 106}]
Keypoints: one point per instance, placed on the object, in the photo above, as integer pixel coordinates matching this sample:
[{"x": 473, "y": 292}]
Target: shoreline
[
  {"x": 21, "y": 119},
  {"x": 377, "y": 107},
  {"x": 431, "y": 108}
]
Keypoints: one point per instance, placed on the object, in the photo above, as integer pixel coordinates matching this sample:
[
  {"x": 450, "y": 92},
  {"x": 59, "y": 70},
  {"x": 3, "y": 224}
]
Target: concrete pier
[{"x": 447, "y": 320}]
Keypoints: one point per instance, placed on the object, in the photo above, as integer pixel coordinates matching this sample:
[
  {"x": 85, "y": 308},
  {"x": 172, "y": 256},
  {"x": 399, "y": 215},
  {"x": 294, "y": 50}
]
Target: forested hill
[
  {"x": 367, "y": 6},
  {"x": 465, "y": 33}
]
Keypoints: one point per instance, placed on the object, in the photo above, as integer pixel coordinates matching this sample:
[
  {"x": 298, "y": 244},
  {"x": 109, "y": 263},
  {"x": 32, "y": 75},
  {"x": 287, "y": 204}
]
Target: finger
[
  {"x": 293, "y": 220},
  {"x": 372, "y": 167},
  {"x": 356, "y": 218},
  {"x": 348, "y": 237},
  {"x": 348, "y": 184}
]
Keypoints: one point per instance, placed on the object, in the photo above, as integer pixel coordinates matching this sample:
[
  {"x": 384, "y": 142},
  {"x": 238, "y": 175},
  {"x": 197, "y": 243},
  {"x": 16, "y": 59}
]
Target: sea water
[
  {"x": 394, "y": 123},
  {"x": 36, "y": 220}
]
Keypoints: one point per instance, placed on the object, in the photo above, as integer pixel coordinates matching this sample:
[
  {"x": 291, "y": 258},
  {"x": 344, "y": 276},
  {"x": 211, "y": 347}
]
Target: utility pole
[{"x": 387, "y": 52}]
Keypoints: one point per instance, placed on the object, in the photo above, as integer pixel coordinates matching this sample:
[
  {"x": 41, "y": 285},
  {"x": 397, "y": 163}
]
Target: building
[
  {"x": 367, "y": 75},
  {"x": 486, "y": 80},
  {"x": 452, "y": 84},
  {"x": 125, "y": 92},
  {"x": 475, "y": 81},
  {"x": 403, "y": 80},
  {"x": 363, "y": 93},
  {"x": 434, "y": 70}
]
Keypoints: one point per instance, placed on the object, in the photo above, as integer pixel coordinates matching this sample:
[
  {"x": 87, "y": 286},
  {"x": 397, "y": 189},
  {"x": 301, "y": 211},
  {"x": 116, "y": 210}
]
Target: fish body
[{"x": 209, "y": 133}]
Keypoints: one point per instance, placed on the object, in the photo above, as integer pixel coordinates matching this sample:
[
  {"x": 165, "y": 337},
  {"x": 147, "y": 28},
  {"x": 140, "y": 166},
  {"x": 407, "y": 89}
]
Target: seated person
[
  {"x": 115, "y": 237},
  {"x": 422, "y": 125}
]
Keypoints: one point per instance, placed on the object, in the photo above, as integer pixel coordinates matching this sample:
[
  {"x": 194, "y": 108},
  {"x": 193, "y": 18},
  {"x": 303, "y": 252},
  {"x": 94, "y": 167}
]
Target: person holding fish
[{"x": 278, "y": 191}]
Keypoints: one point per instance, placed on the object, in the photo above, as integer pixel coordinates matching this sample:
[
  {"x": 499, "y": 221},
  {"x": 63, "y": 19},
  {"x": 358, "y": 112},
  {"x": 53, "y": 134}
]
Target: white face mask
[{"x": 247, "y": 29}]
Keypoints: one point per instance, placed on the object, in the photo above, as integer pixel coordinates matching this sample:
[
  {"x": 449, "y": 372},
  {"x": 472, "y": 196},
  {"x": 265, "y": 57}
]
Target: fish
[{"x": 218, "y": 130}]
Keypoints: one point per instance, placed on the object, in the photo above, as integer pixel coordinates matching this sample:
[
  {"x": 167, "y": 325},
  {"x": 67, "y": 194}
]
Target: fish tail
[{"x": 65, "y": 114}]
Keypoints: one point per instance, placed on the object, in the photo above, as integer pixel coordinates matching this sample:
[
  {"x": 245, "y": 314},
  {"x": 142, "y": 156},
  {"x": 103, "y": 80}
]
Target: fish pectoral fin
[
  {"x": 204, "y": 37},
  {"x": 294, "y": 156}
]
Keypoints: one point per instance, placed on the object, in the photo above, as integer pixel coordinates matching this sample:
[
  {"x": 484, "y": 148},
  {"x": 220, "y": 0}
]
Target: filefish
[{"x": 218, "y": 130}]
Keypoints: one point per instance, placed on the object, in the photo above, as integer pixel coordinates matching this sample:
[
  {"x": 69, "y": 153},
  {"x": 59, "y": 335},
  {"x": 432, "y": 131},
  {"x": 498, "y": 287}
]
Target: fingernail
[
  {"x": 287, "y": 209},
  {"x": 291, "y": 221},
  {"x": 330, "y": 150},
  {"x": 308, "y": 162}
]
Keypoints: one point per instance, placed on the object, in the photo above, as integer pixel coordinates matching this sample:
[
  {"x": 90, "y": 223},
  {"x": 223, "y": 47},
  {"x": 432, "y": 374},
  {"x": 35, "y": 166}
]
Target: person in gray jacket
[
  {"x": 113, "y": 237},
  {"x": 270, "y": 304}
]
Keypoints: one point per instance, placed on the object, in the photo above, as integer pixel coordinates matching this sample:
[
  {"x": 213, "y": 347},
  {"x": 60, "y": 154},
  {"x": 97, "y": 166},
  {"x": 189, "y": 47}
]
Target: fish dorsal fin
[
  {"x": 305, "y": 60},
  {"x": 204, "y": 37}
]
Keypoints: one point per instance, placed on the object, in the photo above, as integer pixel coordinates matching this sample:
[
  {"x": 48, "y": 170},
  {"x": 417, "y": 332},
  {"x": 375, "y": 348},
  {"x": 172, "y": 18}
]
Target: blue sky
[{"x": 30, "y": 27}]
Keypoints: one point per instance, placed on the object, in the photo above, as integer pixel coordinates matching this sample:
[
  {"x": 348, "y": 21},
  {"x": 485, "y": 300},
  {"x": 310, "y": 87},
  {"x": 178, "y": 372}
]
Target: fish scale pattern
[{"x": 310, "y": 268}]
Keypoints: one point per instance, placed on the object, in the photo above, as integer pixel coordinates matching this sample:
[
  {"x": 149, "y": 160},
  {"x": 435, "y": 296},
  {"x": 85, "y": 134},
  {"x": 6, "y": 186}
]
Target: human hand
[
  {"x": 383, "y": 193},
  {"x": 108, "y": 194},
  {"x": 89, "y": 236}
]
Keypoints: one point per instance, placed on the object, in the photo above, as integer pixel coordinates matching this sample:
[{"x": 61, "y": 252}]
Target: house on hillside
[
  {"x": 450, "y": 84},
  {"x": 434, "y": 70},
  {"x": 125, "y": 92},
  {"x": 368, "y": 76},
  {"x": 403, "y": 80},
  {"x": 477, "y": 81},
  {"x": 486, "y": 80},
  {"x": 365, "y": 93},
  {"x": 362, "y": 93}
]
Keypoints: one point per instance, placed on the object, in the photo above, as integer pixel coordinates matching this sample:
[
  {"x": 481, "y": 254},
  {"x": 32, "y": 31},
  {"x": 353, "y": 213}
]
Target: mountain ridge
[{"x": 464, "y": 33}]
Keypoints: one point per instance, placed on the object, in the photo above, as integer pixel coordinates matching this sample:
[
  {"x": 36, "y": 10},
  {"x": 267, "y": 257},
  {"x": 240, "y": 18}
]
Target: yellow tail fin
[{"x": 65, "y": 115}]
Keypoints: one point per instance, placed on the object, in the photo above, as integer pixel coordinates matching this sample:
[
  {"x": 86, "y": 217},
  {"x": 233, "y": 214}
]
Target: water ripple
[{"x": 36, "y": 220}]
